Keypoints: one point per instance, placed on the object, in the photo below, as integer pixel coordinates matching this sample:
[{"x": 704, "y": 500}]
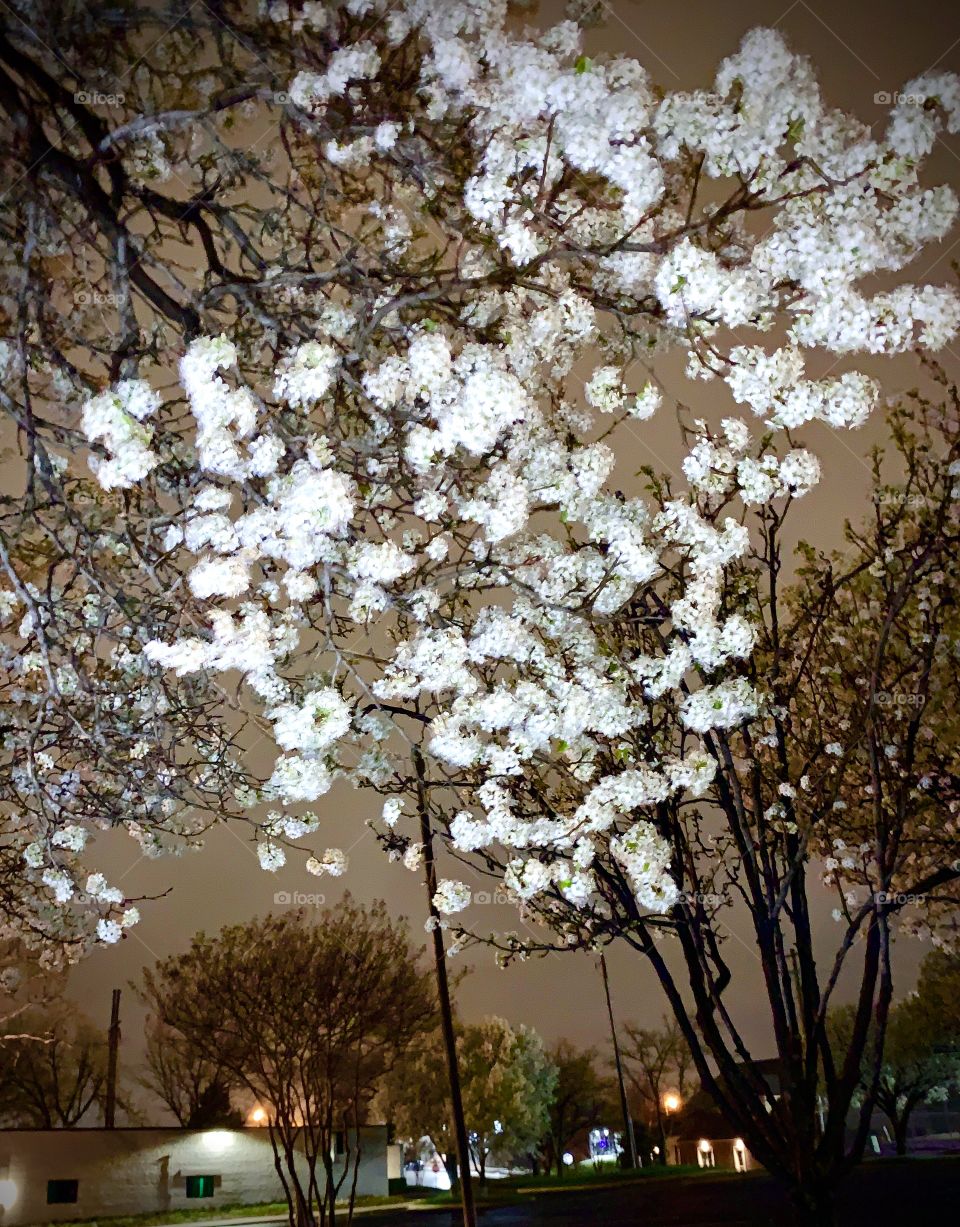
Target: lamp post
[{"x": 671, "y": 1103}]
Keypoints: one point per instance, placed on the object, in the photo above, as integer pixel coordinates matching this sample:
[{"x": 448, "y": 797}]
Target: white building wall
[{"x": 144, "y": 1171}]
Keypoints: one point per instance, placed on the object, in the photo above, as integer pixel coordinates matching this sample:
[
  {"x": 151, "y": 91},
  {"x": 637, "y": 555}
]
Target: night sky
[{"x": 860, "y": 49}]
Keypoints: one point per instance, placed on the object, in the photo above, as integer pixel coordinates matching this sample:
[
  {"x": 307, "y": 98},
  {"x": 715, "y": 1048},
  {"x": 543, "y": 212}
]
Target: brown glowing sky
[{"x": 860, "y": 48}]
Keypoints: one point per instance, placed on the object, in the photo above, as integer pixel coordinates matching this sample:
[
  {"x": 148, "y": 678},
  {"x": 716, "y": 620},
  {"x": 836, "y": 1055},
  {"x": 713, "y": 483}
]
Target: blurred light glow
[
  {"x": 217, "y": 1141},
  {"x": 567, "y": 1158},
  {"x": 8, "y": 1194},
  {"x": 705, "y": 1146},
  {"x": 671, "y": 1101}
]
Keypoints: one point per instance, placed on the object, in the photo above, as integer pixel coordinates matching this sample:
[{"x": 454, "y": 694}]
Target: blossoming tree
[{"x": 410, "y": 337}]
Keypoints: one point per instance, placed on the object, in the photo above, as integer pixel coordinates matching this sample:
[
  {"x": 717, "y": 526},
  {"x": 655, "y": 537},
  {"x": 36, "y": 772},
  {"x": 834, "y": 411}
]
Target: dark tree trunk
[
  {"x": 815, "y": 1207},
  {"x": 450, "y": 1163},
  {"x": 662, "y": 1133},
  {"x": 900, "y": 1132}
]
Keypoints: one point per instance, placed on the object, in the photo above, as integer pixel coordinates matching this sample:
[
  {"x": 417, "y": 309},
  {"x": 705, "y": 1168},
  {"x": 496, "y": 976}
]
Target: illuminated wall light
[{"x": 217, "y": 1141}]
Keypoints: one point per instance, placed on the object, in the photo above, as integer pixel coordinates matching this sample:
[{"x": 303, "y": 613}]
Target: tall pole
[
  {"x": 443, "y": 994},
  {"x": 113, "y": 1053},
  {"x": 624, "y": 1106}
]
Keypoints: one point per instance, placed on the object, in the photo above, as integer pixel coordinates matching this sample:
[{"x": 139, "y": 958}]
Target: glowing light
[
  {"x": 739, "y": 1144},
  {"x": 218, "y": 1140},
  {"x": 258, "y": 1116},
  {"x": 672, "y": 1101},
  {"x": 567, "y": 1158},
  {"x": 8, "y": 1194},
  {"x": 656, "y": 1150},
  {"x": 705, "y": 1146}
]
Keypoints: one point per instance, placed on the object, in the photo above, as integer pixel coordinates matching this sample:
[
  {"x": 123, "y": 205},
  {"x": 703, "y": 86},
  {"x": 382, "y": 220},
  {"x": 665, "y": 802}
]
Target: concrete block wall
[{"x": 144, "y": 1171}]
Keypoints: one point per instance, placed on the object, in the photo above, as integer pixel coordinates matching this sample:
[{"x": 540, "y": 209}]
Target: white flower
[
  {"x": 605, "y": 390},
  {"x": 306, "y": 374},
  {"x": 60, "y": 883},
  {"x": 391, "y": 810},
  {"x": 722, "y": 706},
  {"x": 645, "y": 857},
  {"x": 108, "y": 931},
  {"x": 413, "y": 857},
  {"x": 322, "y": 719},
  {"x": 70, "y": 836},
  {"x": 799, "y": 472},
  {"x": 334, "y": 862},
  {"x": 451, "y": 896},
  {"x": 116, "y": 418},
  {"x": 271, "y": 856}
]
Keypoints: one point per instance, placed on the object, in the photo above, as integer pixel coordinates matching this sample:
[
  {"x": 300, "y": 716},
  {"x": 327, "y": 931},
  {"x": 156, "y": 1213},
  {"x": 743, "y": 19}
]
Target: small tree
[
  {"x": 581, "y": 1096},
  {"x": 921, "y": 1052},
  {"x": 508, "y": 1086},
  {"x": 939, "y": 990},
  {"x": 657, "y": 1060},
  {"x": 308, "y": 1017},
  {"x": 917, "y": 1067},
  {"x": 417, "y": 1099},
  {"x": 196, "y": 1090},
  {"x": 53, "y": 1070}
]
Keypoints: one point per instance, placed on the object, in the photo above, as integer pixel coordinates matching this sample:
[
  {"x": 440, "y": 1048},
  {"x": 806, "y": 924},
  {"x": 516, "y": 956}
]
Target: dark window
[
  {"x": 338, "y": 1142},
  {"x": 200, "y": 1186},
  {"x": 61, "y": 1192}
]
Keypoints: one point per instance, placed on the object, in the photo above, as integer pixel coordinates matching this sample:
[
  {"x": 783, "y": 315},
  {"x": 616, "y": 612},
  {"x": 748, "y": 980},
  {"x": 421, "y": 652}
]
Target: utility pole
[
  {"x": 624, "y": 1106},
  {"x": 113, "y": 1053},
  {"x": 443, "y": 994}
]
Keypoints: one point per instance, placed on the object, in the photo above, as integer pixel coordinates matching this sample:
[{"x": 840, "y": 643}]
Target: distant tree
[
  {"x": 196, "y": 1091},
  {"x": 416, "y": 1098},
  {"x": 917, "y": 1067},
  {"x": 508, "y": 1081},
  {"x": 939, "y": 990},
  {"x": 581, "y": 1096},
  {"x": 508, "y": 1085},
  {"x": 308, "y": 1016},
  {"x": 921, "y": 1051},
  {"x": 53, "y": 1069},
  {"x": 657, "y": 1060}
]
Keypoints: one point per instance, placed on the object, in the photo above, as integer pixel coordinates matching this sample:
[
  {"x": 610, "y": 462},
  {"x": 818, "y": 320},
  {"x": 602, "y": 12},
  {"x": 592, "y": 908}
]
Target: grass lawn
[
  {"x": 262, "y": 1210},
  {"x": 584, "y": 1177}
]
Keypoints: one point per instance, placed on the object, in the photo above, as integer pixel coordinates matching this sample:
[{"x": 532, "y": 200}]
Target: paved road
[{"x": 921, "y": 1193}]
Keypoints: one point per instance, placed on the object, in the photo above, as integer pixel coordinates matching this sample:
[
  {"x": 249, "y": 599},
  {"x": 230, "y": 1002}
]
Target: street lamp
[{"x": 671, "y": 1103}]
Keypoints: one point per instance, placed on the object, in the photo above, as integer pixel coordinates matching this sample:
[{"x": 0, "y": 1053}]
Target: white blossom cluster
[
  {"x": 431, "y": 486},
  {"x": 116, "y": 418}
]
